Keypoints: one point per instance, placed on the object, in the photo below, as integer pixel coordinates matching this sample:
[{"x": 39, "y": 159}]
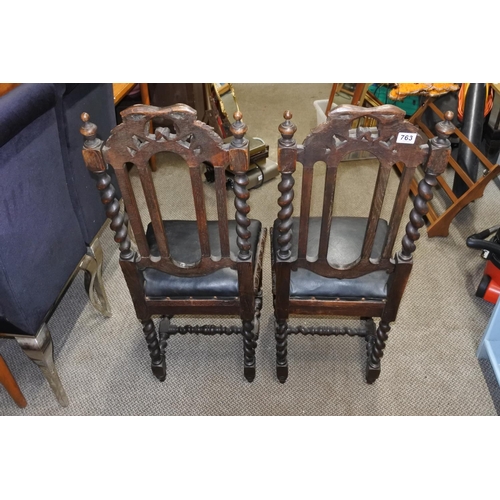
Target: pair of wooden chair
[{"x": 320, "y": 266}]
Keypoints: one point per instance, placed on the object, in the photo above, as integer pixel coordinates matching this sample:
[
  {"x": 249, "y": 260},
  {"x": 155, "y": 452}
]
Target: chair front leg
[
  {"x": 256, "y": 319},
  {"x": 158, "y": 364},
  {"x": 249, "y": 345},
  {"x": 41, "y": 351},
  {"x": 281, "y": 350},
  {"x": 376, "y": 346}
]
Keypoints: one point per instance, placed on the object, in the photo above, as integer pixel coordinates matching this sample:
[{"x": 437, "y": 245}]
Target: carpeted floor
[{"x": 429, "y": 367}]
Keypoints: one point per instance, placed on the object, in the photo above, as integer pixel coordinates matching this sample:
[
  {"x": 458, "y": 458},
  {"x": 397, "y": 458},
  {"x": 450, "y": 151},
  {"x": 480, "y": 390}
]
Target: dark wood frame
[
  {"x": 196, "y": 142},
  {"x": 329, "y": 143}
]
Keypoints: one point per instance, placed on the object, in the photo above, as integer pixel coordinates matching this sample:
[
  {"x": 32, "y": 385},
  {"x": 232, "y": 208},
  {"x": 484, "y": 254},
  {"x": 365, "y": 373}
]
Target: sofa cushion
[
  {"x": 97, "y": 100},
  {"x": 40, "y": 240},
  {"x": 22, "y": 105}
]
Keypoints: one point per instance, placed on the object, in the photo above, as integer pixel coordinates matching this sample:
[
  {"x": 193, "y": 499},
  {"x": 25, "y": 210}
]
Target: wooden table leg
[{"x": 10, "y": 384}]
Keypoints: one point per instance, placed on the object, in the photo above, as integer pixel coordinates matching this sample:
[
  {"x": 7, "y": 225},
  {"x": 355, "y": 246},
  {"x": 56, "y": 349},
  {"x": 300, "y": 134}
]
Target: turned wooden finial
[
  {"x": 238, "y": 129},
  {"x": 287, "y": 129},
  {"x": 88, "y": 130},
  {"x": 445, "y": 128}
]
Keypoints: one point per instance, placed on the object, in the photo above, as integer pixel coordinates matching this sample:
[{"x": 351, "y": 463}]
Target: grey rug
[{"x": 429, "y": 367}]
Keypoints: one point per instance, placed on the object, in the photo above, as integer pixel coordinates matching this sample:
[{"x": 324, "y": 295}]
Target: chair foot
[
  {"x": 372, "y": 373},
  {"x": 10, "y": 384},
  {"x": 91, "y": 264},
  {"x": 282, "y": 373},
  {"x": 160, "y": 370},
  {"x": 249, "y": 372},
  {"x": 41, "y": 351}
]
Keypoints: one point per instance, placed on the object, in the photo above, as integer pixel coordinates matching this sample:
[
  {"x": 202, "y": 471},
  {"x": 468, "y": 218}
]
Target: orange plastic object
[
  {"x": 493, "y": 291},
  {"x": 403, "y": 90}
]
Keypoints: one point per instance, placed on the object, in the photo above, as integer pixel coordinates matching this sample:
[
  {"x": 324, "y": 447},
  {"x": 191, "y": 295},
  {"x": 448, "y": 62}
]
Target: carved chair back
[
  {"x": 392, "y": 140},
  {"x": 132, "y": 142},
  {"x": 195, "y": 142}
]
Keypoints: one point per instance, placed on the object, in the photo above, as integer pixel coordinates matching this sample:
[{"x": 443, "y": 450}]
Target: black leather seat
[
  {"x": 185, "y": 247},
  {"x": 346, "y": 241}
]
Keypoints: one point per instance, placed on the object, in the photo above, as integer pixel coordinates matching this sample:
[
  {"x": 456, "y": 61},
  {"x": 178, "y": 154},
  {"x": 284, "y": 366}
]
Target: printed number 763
[{"x": 406, "y": 138}]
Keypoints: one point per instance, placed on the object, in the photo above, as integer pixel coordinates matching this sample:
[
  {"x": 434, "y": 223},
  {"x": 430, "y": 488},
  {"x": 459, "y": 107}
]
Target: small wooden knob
[
  {"x": 287, "y": 128},
  {"x": 88, "y": 129},
  {"x": 444, "y": 129},
  {"x": 238, "y": 129}
]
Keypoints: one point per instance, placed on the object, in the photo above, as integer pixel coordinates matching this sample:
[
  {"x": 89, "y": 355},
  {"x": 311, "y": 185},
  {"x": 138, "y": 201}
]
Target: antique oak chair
[
  {"x": 182, "y": 267},
  {"x": 344, "y": 266}
]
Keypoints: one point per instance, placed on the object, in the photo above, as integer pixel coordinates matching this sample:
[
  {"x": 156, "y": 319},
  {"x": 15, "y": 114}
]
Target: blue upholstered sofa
[{"x": 50, "y": 210}]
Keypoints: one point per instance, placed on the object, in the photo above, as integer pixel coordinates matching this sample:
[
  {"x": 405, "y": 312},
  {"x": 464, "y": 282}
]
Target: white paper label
[
  {"x": 260, "y": 177},
  {"x": 406, "y": 138}
]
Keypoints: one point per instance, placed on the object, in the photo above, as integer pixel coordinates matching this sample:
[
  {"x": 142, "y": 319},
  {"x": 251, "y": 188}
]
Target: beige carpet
[{"x": 429, "y": 367}]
